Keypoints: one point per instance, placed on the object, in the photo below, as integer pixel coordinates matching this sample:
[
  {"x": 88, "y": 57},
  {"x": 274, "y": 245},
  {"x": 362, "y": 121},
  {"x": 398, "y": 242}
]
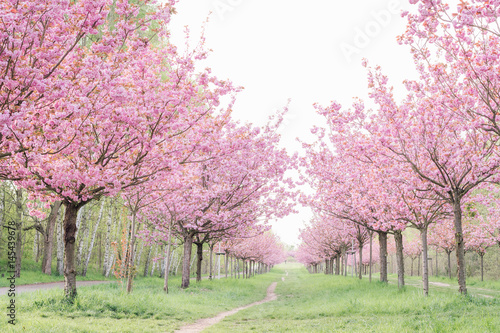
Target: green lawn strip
[
  {"x": 107, "y": 308},
  {"x": 319, "y": 303},
  {"x": 472, "y": 281},
  {"x": 31, "y": 274},
  {"x": 474, "y": 285}
]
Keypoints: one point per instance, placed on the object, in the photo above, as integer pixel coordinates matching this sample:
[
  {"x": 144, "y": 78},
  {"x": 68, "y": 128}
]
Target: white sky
[{"x": 281, "y": 49}]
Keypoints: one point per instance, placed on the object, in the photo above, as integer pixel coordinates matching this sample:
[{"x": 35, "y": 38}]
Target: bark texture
[
  {"x": 460, "y": 247},
  {"x": 425, "y": 263},
  {"x": 49, "y": 238},
  {"x": 188, "y": 244},
  {"x": 398, "y": 238},
  {"x": 69, "y": 250},
  {"x": 382, "y": 238},
  {"x": 19, "y": 227}
]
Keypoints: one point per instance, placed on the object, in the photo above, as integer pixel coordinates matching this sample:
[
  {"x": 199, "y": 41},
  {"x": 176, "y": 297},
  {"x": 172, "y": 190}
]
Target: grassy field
[
  {"x": 474, "y": 284},
  {"x": 319, "y": 303},
  {"x": 107, "y": 308},
  {"x": 306, "y": 303},
  {"x": 31, "y": 273}
]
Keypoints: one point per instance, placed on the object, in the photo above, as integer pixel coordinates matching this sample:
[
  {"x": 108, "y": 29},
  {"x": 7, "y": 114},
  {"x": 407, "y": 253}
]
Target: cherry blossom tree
[
  {"x": 351, "y": 181},
  {"x": 266, "y": 249},
  {"x": 328, "y": 238},
  {"x": 477, "y": 240},
  {"x": 239, "y": 186},
  {"x": 442, "y": 235},
  {"x": 38, "y": 38},
  {"x": 458, "y": 83},
  {"x": 459, "y": 43},
  {"x": 413, "y": 249},
  {"x": 129, "y": 112},
  {"x": 448, "y": 158}
]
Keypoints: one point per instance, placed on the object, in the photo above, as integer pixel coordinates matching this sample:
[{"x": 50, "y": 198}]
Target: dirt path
[
  {"x": 48, "y": 285},
  {"x": 440, "y": 284},
  {"x": 446, "y": 285},
  {"x": 201, "y": 324}
]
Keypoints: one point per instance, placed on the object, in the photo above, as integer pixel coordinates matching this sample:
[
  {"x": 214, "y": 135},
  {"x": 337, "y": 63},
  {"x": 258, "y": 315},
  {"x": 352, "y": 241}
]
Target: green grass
[
  {"x": 306, "y": 303},
  {"x": 107, "y": 308},
  {"x": 474, "y": 285},
  {"x": 319, "y": 303},
  {"x": 31, "y": 273}
]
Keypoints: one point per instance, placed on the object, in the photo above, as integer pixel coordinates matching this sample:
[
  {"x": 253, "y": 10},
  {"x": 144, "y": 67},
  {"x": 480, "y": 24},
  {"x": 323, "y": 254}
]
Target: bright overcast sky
[{"x": 308, "y": 51}]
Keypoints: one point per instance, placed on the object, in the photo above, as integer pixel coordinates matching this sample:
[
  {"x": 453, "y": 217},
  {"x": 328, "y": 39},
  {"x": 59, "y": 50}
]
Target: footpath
[{"x": 202, "y": 324}]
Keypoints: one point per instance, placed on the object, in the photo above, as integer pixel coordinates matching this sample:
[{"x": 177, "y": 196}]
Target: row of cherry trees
[
  {"x": 334, "y": 255},
  {"x": 422, "y": 159},
  {"x": 95, "y": 101},
  {"x": 103, "y": 238}
]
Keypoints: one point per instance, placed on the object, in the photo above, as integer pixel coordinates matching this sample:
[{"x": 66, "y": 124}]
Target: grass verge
[
  {"x": 320, "y": 303},
  {"x": 31, "y": 274},
  {"x": 108, "y": 308}
]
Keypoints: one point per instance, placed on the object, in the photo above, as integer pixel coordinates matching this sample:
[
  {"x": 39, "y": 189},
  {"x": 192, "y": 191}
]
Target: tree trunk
[
  {"x": 398, "y": 238},
  {"x": 341, "y": 264},
  {"x": 199, "y": 259},
  {"x": 148, "y": 260},
  {"x": 79, "y": 240},
  {"x": 99, "y": 267},
  {"x": 371, "y": 254},
  {"x": 460, "y": 248},
  {"x": 425, "y": 263},
  {"x": 69, "y": 250},
  {"x": 153, "y": 265},
  {"x": 482, "y": 266},
  {"x": 19, "y": 227},
  {"x": 167, "y": 265},
  {"x": 360, "y": 244},
  {"x": 79, "y": 220},
  {"x": 437, "y": 273},
  {"x": 49, "y": 238},
  {"x": 210, "y": 275},
  {"x": 449, "y": 263},
  {"x": 84, "y": 227},
  {"x": 130, "y": 258},
  {"x": 188, "y": 244},
  {"x": 60, "y": 243},
  {"x": 226, "y": 263},
  {"x": 382, "y": 238},
  {"x": 91, "y": 246},
  {"x": 337, "y": 265},
  {"x": 107, "y": 242},
  {"x": 346, "y": 263}
]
